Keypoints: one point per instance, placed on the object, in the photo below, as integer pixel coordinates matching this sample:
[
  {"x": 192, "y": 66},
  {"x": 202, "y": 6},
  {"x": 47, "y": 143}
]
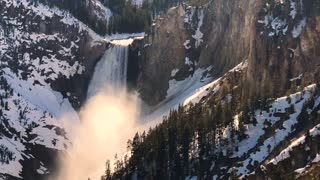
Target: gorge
[{"x": 212, "y": 89}]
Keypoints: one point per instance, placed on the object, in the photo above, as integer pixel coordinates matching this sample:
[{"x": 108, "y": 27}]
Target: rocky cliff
[
  {"x": 162, "y": 51},
  {"x": 283, "y": 51},
  {"x": 216, "y": 34}
]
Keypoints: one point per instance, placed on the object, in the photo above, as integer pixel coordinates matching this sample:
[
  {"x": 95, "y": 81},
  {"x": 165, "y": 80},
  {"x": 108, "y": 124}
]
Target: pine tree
[{"x": 108, "y": 174}]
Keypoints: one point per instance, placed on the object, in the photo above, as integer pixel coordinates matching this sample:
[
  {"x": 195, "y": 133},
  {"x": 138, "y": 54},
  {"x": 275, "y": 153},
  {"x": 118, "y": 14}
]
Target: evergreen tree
[{"x": 108, "y": 175}]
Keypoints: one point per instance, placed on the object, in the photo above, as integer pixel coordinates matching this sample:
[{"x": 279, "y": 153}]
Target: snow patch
[
  {"x": 297, "y": 30},
  {"x": 198, "y": 34},
  {"x": 174, "y": 72},
  {"x": 187, "y": 44},
  {"x": 255, "y": 131}
]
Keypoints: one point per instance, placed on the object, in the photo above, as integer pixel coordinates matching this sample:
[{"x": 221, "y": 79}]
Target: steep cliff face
[
  {"x": 163, "y": 51},
  {"x": 221, "y": 34},
  {"x": 216, "y": 34},
  {"x": 283, "y": 52},
  {"x": 227, "y": 29}
]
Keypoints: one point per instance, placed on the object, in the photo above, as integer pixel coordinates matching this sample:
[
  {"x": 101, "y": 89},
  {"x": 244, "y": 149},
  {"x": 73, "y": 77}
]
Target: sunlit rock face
[
  {"x": 283, "y": 48},
  {"x": 162, "y": 51},
  {"x": 227, "y": 28},
  {"x": 222, "y": 34},
  {"x": 216, "y": 34}
]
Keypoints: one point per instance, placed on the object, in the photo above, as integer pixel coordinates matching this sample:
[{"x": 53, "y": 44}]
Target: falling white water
[
  {"x": 108, "y": 119},
  {"x": 111, "y": 71}
]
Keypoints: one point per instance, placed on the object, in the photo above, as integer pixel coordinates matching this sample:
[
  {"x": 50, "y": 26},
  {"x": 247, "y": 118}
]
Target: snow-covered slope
[
  {"x": 101, "y": 11},
  {"x": 193, "y": 89},
  {"x": 39, "y": 47}
]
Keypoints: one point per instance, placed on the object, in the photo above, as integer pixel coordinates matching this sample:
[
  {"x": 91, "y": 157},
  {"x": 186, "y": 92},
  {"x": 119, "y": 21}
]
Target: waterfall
[
  {"x": 110, "y": 72},
  {"x": 108, "y": 119}
]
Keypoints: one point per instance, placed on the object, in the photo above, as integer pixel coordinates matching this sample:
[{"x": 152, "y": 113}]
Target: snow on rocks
[
  {"x": 179, "y": 93},
  {"x": 33, "y": 113},
  {"x": 27, "y": 119},
  {"x": 174, "y": 72},
  {"x": 45, "y": 11},
  {"x": 293, "y": 7},
  {"x": 188, "y": 62},
  {"x": 198, "y": 34},
  {"x": 203, "y": 92},
  {"x": 302, "y": 170},
  {"x": 297, "y": 30},
  {"x": 187, "y": 44},
  {"x": 317, "y": 158},
  {"x": 42, "y": 169},
  {"x": 254, "y": 132},
  {"x": 137, "y": 3},
  {"x": 101, "y": 11},
  {"x": 189, "y": 14},
  {"x": 296, "y": 78},
  {"x": 190, "y": 90},
  {"x": 240, "y": 67},
  {"x": 13, "y": 150},
  {"x": 277, "y": 24},
  {"x": 176, "y": 87},
  {"x": 284, "y": 154}
]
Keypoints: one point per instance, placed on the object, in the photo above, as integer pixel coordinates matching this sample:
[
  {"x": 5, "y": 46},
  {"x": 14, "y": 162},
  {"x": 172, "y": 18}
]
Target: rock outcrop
[
  {"x": 163, "y": 51},
  {"x": 283, "y": 49},
  {"x": 227, "y": 29},
  {"x": 216, "y": 34}
]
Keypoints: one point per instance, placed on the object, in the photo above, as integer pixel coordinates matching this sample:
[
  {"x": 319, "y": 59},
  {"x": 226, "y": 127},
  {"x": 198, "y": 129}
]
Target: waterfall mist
[{"x": 108, "y": 121}]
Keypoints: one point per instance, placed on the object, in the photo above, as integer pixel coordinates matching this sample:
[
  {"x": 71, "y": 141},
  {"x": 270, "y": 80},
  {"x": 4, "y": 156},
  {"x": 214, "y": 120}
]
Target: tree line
[
  {"x": 183, "y": 145},
  {"x": 128, "y": 17}
]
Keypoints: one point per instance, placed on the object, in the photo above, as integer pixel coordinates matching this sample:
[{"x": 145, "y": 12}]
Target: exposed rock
[
  {"x": 227, "y": 29},
  {"x": 217, "y": 34},
  {"x": 281, "y": 61},
  {"x": 164, "y": 51}
]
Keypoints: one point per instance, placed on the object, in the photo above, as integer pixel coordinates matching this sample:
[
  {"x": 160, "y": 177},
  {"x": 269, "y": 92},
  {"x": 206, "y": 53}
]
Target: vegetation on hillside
[
  {"x": 191, "y": 141},
  {"x": 129, "y": 18},
  {"x": 80, "y": 10}
]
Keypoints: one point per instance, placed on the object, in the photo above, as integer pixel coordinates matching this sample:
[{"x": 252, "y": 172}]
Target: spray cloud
[{"x": 108, "y": 121}]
